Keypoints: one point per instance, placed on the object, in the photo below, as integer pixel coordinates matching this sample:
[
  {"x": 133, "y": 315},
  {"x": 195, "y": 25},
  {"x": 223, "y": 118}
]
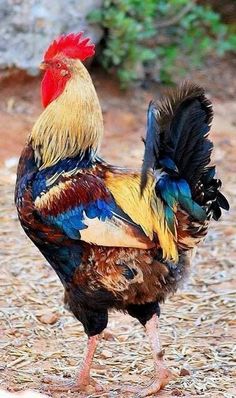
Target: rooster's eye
[{"x": 58, "y": 65}]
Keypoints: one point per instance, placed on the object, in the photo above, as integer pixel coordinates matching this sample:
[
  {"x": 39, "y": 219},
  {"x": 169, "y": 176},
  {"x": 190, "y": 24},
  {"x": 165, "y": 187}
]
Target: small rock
[
  {"x": 26, "y": 333},
  {"x": 49, "y": 318},
  {"x": 106, "y": 354},
  {"x": 107, "y": 335},
  {"x": 122, "y": 338},
  {"x": 229, "y": 231},
  {"x": 17, "y": 343},
  {"x": 72, "y": 362},
  {"x": 184, "y": 372},
  {"x": 176, "y": 392},
  {"x": 11, "y": 162},
  {"x": 13, "y": 332}
]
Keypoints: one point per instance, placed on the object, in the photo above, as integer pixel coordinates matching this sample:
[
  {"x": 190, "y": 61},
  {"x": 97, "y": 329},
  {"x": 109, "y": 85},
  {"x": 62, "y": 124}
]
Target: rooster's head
[{"x": 61, "y": 61}]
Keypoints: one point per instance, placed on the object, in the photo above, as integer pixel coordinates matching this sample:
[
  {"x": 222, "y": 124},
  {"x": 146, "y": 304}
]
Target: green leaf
[{"x": 135, "y": 34}]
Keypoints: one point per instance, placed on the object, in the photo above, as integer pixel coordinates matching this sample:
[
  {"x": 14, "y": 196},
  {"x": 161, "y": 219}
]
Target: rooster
[{"x": 117, "y": 238}]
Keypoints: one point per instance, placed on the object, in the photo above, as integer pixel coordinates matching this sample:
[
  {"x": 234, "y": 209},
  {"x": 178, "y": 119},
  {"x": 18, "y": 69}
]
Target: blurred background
[{"x": 142, "y": 47}]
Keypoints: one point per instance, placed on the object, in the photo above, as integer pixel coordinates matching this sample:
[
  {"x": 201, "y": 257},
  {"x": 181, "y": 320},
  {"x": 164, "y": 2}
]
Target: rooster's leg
[
  {"x": 161, "y": 374},
  {"x": 83, "y": 379}
]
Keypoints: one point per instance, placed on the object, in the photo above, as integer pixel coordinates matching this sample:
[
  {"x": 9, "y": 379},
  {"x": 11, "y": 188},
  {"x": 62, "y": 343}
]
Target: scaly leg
[
  {"x": 162, "y": 374},
  {"x": 83, "y": 379}
]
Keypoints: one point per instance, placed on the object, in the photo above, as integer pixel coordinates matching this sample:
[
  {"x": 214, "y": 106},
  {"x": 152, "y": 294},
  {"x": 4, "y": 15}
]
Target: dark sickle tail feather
[
  {"x": 152, "y": 143},
  {"x": 177, "y": 144}
]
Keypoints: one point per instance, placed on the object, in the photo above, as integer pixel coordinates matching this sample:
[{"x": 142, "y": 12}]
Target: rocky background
[{"x": 28, "y": 26}]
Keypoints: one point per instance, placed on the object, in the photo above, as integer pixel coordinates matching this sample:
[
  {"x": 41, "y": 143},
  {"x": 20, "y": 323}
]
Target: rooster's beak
[{"x": 43, "y": 65}]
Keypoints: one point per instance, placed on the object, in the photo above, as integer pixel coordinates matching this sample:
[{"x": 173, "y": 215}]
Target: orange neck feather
[{"x": 70, "y": 124}]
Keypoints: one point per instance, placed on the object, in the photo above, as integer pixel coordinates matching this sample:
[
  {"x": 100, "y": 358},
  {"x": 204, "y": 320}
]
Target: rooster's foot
[
  {"x": 60, "y": 384},
  {"x": 160, "y": 381}
]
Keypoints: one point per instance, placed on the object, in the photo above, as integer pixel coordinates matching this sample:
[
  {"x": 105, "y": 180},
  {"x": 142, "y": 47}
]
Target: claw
[
  {"x": 156, "y": 385},
  {"x": 83, "y": 381},
  {"x": 57, "y": 384},
  {"x": 161, "y": 380}
]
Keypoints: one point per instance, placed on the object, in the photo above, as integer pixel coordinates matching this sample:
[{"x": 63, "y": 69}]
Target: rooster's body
[{"x": 117, "y": 238}]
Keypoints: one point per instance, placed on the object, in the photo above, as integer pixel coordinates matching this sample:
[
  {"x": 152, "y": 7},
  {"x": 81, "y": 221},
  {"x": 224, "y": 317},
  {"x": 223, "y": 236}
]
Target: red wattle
[{"x": 51, "y": 87}]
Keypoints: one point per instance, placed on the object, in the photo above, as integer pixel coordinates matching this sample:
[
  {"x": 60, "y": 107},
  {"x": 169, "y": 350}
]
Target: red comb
[{"x": 73, "y": 45}]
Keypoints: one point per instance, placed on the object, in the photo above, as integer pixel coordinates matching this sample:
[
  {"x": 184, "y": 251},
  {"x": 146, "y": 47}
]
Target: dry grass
[{"x": 198, "y": 324}]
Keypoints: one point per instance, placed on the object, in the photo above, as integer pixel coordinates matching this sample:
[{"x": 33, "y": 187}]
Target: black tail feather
[
  {"x": 177, "y": 143},
  {"x": 185, "y": 117},
  {"x": 152, "y": 143},
  {"x": 211, "y": 197}
]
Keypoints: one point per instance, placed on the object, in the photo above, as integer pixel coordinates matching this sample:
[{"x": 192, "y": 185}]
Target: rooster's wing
[{"x": 83, "y": 208}]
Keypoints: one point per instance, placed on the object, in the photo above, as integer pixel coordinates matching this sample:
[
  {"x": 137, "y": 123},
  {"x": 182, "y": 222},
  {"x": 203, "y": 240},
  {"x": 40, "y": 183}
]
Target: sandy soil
[{"x": 198, "y": 323}]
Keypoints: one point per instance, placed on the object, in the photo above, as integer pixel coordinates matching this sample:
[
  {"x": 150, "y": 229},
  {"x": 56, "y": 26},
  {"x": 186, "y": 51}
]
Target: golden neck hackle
[{"x": 70, "y": 124}]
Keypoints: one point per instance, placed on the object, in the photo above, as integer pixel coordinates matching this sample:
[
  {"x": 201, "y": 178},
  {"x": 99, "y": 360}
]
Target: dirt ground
[{"x": 38, "y": 336}]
